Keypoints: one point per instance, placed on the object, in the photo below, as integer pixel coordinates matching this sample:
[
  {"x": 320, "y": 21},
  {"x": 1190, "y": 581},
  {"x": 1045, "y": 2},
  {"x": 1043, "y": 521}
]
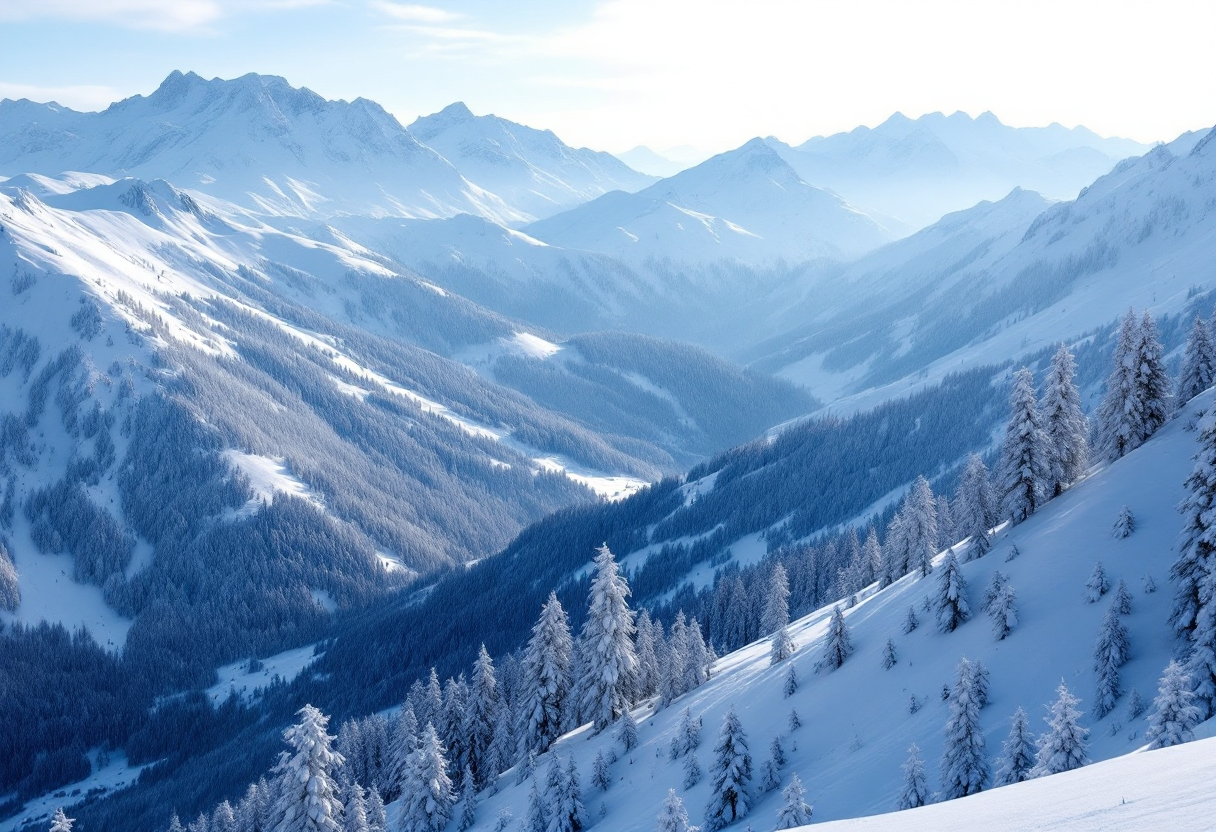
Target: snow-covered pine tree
[
  {"x": 1201, "y": 666},
  {"x": 776, "y": 601},
  {"x": 1123, "y": 598},
  {"x": 730, "y": 776},
  {"x": 1124, "y": 525},
  {"x": 1199, "y": 365},
  {"x": 794, "y": 810},
  {"x": 600, "y": 777},
  {"x": 1004, "y": 613},
  {"x": 61, "y": 822},
  {"x": 1064, "y": 424},
  {"x": 546, "y": 679},
  {"x": 871, "y": 554},
  {"x": 770, "y": 778},
  {"x": 673, "y": 817},
  {"x": 920, "y": 527},
  {"x": 201, "y": 824},
  {"x": 975, "y": 507},
  {"x": 452, "y": 732},
  {"x": 673, "y": 669},
  {"x": 307, "y": 794},
  {"x": 354, "y": 816},
  {"x": 789, "y": 683},
  {"x": 1025, "y": 459},
  {"x": 468, "y": 803},
  {"x": 964, "y": 764},
  {"x": 1064, "y": 745},
  {"x": 537, "y": 817},
  {"x": 1097, "y": 585},
  {"x": 946, "y": 533},
  {"x": 1175, "y": 713},
  {"x": 950, "y": 600},
  {"x": 1152, "y": 380},
  {"x": 911, "y": 622},
  {"x": 1119, "y": 413},
  {"x": 626, "y": 732},
  {"x": 223, "y": 819},
  {"x": 991, "y": 592},
  {"x": 894, "y": 551},
  {"x": 781, "y": 645},
  {"x": 687, "y": 736},
  {"x": 1195, "y": 553},
  {"x": 795, "y": 721},
  {"x": 566, "y": 810},
  {"x": 175, "y": 823},
  {"x": 888, "y": 655},
  {"x": 838, "y": 646},
  {"x": 427, "y": 799},
  {"x": 480, "y": 719},
  {"x": 1017, "y": 754},
  {"x": 692, "y": 771},
  {"x": 915, "y": 789},
  {"x": 606, "y": 644},
  {"x": 526, "y": 769},
  {"x": 982, "y": 681},
  {"x": 377, "y": 815},
  {"x": 403, "y": 741},
  {"x": 1135, "y": 704},
  {"x": 700, "y": 659},
  {"x": 1110, "y": 653},
  {"x": 648, "y": 658}
]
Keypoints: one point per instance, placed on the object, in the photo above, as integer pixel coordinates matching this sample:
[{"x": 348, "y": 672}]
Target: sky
[{"x": 614, "y": 74}]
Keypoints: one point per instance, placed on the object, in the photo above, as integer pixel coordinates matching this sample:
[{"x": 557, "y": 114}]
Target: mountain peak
[{"x": 457, "y": 110}]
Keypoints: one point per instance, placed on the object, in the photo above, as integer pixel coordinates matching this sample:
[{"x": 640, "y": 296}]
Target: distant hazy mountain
[
  {"x": 746, "y": 205},
  {"x": 648, "y": 161},
  {"x": 255, "y": 141},
  {"x": 532, "y": 170},
  {"x": 920, "y": 169}
]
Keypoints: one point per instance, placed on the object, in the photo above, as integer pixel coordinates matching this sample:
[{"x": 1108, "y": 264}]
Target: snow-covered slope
[
  {"x": 856, "y": 723},
  {"x": 746, "y": 205},
  {"x": 1140, "y": 236},
  {"x": 919, "y": 169},
  {"x": 532, "y": 170},
  {"x": 255, "y": 141}
]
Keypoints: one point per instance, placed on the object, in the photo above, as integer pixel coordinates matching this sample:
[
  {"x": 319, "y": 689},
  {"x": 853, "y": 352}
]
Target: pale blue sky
[{"x": 616, "y": 73}]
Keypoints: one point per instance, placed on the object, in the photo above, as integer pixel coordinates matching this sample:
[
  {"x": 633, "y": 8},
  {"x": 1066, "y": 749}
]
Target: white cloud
[
  {"x": 161, "y": 15},
  {"x": 414, "y": 13}
]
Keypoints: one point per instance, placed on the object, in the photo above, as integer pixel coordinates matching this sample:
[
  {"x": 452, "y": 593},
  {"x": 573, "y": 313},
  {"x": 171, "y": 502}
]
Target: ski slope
[{"x": 856, "y": 724}]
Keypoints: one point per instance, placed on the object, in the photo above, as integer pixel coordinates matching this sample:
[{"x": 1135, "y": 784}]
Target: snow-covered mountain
[
  {"x": 255, "y": 141},
  {"x": 920, "y": 169},
  {"x": 648, "y": 161},
  {"x": 999, "y": 281},
  {"x": 747, "y": 205},
  {"x": 531, "y": 170}
]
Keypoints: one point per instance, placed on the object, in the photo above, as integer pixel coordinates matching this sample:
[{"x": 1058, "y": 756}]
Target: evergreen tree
[
  {"x": 700, "y": 659},
  {"x": 1017, "y": 754},
  {"x": 61, "y": 822},
  {"x": 911, "y": 622},
  {"x": 1123, "y": 599},
  {"x": 950, "y": 601},
  {"x": 687, "y": 736},
  {"x": 1152, "y": 379},
  {"x": 402, "y": 744},
  {"x": 795, "y": 721},
  {"x": 480, "y": 719},
  {"x": 975, "y": 507},
  {"x": 673, "y": 817},
  {"x": 794, "y": 811},
  {"x": 964, "y": 765},
  {"x": 782, "y": 646},
  {"x": 770, "y": 774},
  {"x": 674, "y": 671},
  {"x": 730, "y": 776},
  {"x": 777, "y": 601},
  {"x": 307, "y": 794},
  {"x": 468, "y": 803},
  {"x": 915, "y": 789},
  {"x": 648, "y": 657},
  {"x": 1135, "y": 705},
  {"x": 223, "y": 819},
  {"x": 1199, "y": 365},
  {"x": 355, "y": 812},
  {"x": 888, "y": 655},
  {"x": 546, "y": 679},
  {"x": 377, "y": 816},
  {"x": 1174, "y": 711},
  {"x": 1195, "y": 553},
  {"x": 600, "y": 777},
  {"x": 894, "y": 551},
  {"x": 1097, "y": 585},
  {"x": 946, "y": 532},
  {"x": 838, "y": 646},
  {"x": 1025, "y": 458},
  {"x": 1125, "y": 524},
  {"x": 1004, "y": 613},
  {"x": 537, "y": 819},
  {"x": 1118, "y": 414},
  {"x": 980, "y": 678},
  {"x": 1110, "y": 653},
  {"x": 606, "y": 644},
  {"x": 920, "y": 527},
  {"x": 1201, "y": 666},
  {"x": 427, "y": 799},
  {"x": 1064, "y": 424},
  {"x": 527, "y": 768},
  {"x": 452, "y": 733},
  {"x": 1063, "y": 746},
  {"x": 789, "y": 685},
  {"x": 566, "y": 814},
  {"x": 627, "y": 732},
  {"x": 432, "y": 701},
  {"x": 175, "y": 823},
  {"x": 871, "y": 553},
  {"x": 692, "y": 771}
]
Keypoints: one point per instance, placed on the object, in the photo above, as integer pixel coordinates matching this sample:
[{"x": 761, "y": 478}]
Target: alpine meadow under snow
[{"x": 362, "y": 477}]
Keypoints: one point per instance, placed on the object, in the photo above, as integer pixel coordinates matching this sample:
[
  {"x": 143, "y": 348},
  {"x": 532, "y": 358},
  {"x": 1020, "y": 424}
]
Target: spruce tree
[
  {"x": 1199, "y": 365},
  {"x": 648, "y": 658},
  {"x": 355, "y": 812},
  {"x": 1025, "y": 458},
  {"x": 947, "y": 534},
  {"x": 795, "y": 721},
  {"x": 606, "y": 645},
  {"x": 692, "y": 771},
  {"x": 1017, "y": 754},
  {"x": 1110, "y": 653},
  {"x": 307, "y": 794},
  {"x": 911, "y": 622},
  {"x": 794, "y": 811},
  {"x": 223, "y": 819},
  {"x": 789, "y": 684},
  {"x": 627, "y": 732},
  {"x": 687, "y": 736},
  {"x": 480, "y": 719},
  {"x": 964, "y": 765},
  {"x": 1004, "y": 612},
  {"x": 700, "y": 658},
  {"x": 61, "y": 822},
  {"x": 1135, "y": 705},
  {"x": 1064, "y": 745},
  {"x": 175, "y": 823},
  {"x": 403, "y": 742},
  {"x": 895, "y": 551},
  {"x": 1064, "y": 424},
  {"x": 1195, "y": 553},
  {"x": 673, "y": 817},
  {"x": 468, "y": 803},
  {"x": 915, "y": 789},
  {"x": 920, "y": 527},
  {"x": 452, "y": 733},
  {"x": 776, "y": 601},
  {"x": 1097, "y": 585},
  {"x": 730, "y": 776},
  {"x": 950, "y": 600},
  {"x": 566, "y": 809},
  {"x": 674, "y": 671},
  {"x": 975, "y": 507},
  {"x": 781, "y": 646},
  {"x": 537, "y": 817},
  {"x": 1118, "y": 414},
  {"x": 1123, "y": 599},
  {"x": 546, "y": 679},
  {"x": 770, "y": 774},
  {"x": 1124, "y": 525},
  {"x": 377, "y": 816},
  {"x": 600, "y": 777},
  {"x": 871, "y": 552},
  {"x": 427, "y": 799},
  {"x": 1201, "y": 667},
  {"x": 1174, "y": 711},
  {"x": 1152, "y": 380},
  {"x": 838, "y": 645},
  {"x": 888, "y": 655}
]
